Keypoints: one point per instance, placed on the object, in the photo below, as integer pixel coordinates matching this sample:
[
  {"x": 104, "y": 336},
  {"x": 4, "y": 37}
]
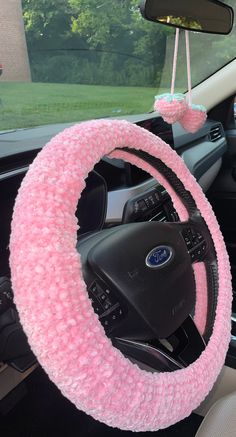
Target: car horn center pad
[
  {"x": 51, "y": 296},
  {"x": 154, "y": 292}
]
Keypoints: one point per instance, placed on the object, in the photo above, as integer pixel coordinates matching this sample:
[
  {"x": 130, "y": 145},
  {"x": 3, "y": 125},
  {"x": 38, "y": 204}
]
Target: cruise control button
[
  {"x": 199, "y": 236},
  {"x": 95, "y": 289},
  {"x": 188, "y": 242},
  {"x": 107, "y": 304},
  {"x": 102, "y": 297},
  {"x": 113, "y": 317}
]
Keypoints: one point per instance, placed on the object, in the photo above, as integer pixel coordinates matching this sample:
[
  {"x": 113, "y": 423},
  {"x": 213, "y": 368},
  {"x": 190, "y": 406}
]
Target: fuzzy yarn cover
[
  {"x": 63, "y": 330},
  {"x": 171, "y": 107},
  {"x": 194, "y": 118}
]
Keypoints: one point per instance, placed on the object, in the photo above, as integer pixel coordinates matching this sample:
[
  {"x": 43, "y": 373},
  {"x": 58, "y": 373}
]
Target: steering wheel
[{"x": 153, "y": 293}]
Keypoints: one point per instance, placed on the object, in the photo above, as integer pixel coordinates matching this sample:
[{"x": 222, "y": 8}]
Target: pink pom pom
[
  {"x": 193, "y": 118},
  {"x": 171, "y": 107}
]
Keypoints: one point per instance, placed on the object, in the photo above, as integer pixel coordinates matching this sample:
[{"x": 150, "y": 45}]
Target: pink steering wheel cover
[{"x": 51, "y": 296}]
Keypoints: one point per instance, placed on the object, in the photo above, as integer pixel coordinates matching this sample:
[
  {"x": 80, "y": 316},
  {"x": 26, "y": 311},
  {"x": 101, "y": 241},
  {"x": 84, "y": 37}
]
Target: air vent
[{"x": 216, "y": 133}]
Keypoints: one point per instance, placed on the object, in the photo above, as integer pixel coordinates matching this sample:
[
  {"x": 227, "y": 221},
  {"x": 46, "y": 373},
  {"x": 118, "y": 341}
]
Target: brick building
[{"x": 13, "y": 49}]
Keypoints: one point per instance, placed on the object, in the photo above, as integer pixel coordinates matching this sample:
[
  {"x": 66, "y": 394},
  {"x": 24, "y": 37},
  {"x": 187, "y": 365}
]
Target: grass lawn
[{"x": 33, "y": 104}]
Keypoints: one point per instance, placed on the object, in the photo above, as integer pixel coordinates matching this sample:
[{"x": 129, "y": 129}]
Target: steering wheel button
[
  {"x": 187, "y": 241},
  {"x": 107, "y": 304},
  {"x": 199, "y": 236},
  {"x": 102, "y": 297},
  {"x": 97, "y": 309},
  {"x": 94, "y": 289}
]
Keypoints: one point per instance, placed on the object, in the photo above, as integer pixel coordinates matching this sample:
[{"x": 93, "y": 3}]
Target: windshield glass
[{"x": 75, "y": 60}]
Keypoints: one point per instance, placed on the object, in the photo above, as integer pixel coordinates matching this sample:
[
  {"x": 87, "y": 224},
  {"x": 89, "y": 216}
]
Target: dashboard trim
[
  {"x": 12, "y": 173},
  {"x": 118, "y": 198},
  {"x": 202, "y": 156}
]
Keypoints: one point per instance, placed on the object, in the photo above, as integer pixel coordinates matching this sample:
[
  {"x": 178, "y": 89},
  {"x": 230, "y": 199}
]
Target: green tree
[
  {"x": 44, "y": 18},
  {"x": 130, "y": 50},
  {"x": 119, "y": 24}
]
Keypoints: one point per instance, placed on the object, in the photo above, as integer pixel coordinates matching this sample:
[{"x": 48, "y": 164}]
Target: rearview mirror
[{"x": 209, "y": 16}]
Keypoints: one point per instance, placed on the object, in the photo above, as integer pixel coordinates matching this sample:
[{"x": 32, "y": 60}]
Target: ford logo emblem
[{"x": 159, "y": 256}]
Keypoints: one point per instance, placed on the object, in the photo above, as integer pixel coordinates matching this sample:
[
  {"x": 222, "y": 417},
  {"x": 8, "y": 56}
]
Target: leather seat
[{"x": 220, "y": 421}]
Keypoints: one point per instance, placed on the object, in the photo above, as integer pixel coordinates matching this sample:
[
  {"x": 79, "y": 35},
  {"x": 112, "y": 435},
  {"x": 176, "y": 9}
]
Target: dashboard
[{"x": 116, "y": 192}]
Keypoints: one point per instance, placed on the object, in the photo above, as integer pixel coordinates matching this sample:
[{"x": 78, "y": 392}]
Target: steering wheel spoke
[
  {"x": 155, "y": 358},
  {"x": 187, "y": 342},
  {"x": 177, "y": 351}
]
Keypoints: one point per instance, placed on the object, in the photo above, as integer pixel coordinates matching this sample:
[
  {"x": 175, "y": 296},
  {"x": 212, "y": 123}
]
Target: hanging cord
[
  {"x": 175, "y": 61},
  {"x": 188, "y": 67}
]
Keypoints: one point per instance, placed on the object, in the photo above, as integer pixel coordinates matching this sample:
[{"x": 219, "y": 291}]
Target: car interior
[{"x": 118, "y": 200}]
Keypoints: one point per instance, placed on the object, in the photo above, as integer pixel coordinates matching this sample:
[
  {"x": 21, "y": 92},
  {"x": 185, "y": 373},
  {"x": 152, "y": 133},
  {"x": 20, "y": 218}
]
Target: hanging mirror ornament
[{"x": 173, "y": 107}]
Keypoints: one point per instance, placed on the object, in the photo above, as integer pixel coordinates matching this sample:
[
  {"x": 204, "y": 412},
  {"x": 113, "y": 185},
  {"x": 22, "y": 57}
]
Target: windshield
[{"x": 74, "y": 60}]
